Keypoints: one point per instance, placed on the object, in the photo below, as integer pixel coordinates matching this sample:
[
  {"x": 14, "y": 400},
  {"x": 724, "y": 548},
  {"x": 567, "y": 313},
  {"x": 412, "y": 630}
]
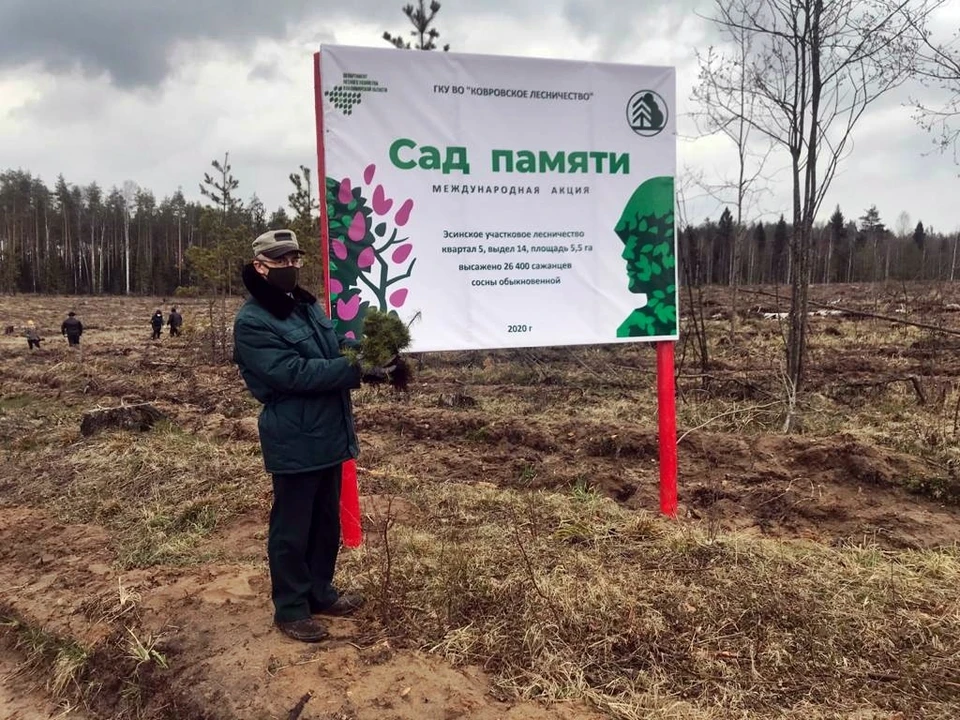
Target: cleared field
[{"x": 515, "y": 563}]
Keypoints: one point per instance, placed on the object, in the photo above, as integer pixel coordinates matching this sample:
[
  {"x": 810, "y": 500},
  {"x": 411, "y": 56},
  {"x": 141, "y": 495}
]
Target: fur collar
[{"x": 277, "y": 302}]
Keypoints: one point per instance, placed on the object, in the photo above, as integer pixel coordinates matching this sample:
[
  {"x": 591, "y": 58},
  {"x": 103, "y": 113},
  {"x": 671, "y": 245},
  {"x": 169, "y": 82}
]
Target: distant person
[
  {"x": 175, "y": 320},
  {"x": 33, "y": 335},
  {"x": 72, "y": 329},
  {"x": 156, "y": 322}
]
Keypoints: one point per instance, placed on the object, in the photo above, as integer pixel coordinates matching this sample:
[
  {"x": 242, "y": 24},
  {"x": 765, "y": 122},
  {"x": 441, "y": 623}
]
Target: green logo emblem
[
  {"x": 348, "y": 94},
  {"x": 647, "y": 113}
]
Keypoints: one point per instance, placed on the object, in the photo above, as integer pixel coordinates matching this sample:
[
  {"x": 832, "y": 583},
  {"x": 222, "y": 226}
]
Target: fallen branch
[
  {"x": 912, "y": 379},
  {"x": 875, "y": 316},
  {"x": 752, "y": 408},
  {"x": 533, "y": 577}
]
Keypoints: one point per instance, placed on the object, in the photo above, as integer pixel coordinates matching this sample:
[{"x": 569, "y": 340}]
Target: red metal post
[
  {"x": 350, "y": 520},
  {"x": 667, "y": 416},
  {"x": 322, "y": 182}
]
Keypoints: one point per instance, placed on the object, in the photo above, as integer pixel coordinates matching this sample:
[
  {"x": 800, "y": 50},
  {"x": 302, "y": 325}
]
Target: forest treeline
[{"x": 84, "y": 239}]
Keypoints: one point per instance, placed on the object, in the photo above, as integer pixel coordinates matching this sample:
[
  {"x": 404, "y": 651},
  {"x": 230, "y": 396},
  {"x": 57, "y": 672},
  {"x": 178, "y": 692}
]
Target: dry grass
[
  {"x": 499, "y": 552},
  {"x": 568, "y": 595},
  {"x": 159, "y": 494},
  {"x": 63, "y": 660}
]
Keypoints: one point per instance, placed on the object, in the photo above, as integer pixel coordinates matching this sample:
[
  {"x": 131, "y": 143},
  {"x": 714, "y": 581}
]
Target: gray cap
[{"x": 276, "y": 243}]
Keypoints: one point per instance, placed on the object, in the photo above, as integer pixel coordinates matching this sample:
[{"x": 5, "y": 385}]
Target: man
[
  {"x": 72, "y": 329},
  {"x": 156, "y": 322},
  {"x": 175, "y": 320},
  {"x": 291, "y": 360}
]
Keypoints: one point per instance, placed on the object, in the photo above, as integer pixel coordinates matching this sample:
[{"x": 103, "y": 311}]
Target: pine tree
[
  {"x": 920, "y": 240},
  {"x": 278, "y": 220},
  {"x": 760, "y": 245},
  {"x": 220, "y": 190},
  {"x": 838, "y": 234},
  {"x": 256, "y": 215},
  {"x": 422, "y": 19},
  {"x": 723, "y": 249},
  {"x": 781, "y": 238},
  {"x": 305, "y": 205},
  {"x": 872, "y": 228},
  {"x": 919, "y": 236}
]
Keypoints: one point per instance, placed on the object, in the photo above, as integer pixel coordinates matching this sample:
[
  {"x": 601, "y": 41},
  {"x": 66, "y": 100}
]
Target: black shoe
[
  {"x": 346, "y": 604},
  {"x": 307, "y": 630}
]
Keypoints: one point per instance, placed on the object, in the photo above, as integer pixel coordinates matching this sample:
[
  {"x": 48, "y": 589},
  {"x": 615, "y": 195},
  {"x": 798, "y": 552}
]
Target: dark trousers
[
  {"x": 156, "y": 333},
  {"x": 174, "y": 331},
  {"x": 31, "y": 344},
  {"x": 73, "y": 339},
  {"x": 303, "y": 542}
]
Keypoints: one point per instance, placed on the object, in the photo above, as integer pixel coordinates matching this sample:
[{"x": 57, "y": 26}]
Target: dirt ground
[
  {"x": 22, "y": 700},
  {"x": 132, "y": 564}
]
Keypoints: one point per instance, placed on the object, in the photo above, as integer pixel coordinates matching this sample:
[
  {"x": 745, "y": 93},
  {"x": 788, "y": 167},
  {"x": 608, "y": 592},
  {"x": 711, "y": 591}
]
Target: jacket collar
[{"x": 277, "y": 302}]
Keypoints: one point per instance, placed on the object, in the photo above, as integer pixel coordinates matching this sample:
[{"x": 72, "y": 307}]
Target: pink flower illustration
[
  {"x": 398, "y": 297},
  {"x": 381, "y": 203},
  {"x": 403, "y": 214},
  {"x": 346, "y": 193},
  {"x": 366, "y": 258},
  {"x": 358, "y": 227},
  {"x": 348, "y": 310},
  {"x": 376, "y": 249},
  {"x": 351, "y": 334}
]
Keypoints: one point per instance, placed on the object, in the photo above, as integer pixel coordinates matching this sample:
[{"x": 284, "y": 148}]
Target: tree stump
[{"x": 140, "y": 417}]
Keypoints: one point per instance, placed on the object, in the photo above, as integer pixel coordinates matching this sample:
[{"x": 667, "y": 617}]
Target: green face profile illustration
[{"x": 646, "y": 230}]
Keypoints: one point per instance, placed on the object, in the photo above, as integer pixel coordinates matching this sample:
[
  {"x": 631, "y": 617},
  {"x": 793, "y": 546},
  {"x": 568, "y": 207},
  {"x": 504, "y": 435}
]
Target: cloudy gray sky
[{"x": 152, "y": 91}]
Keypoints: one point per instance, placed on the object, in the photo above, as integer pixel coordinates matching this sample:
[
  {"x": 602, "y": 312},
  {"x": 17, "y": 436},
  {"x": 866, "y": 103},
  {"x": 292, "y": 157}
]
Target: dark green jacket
[{"x": 289, "y": 357}]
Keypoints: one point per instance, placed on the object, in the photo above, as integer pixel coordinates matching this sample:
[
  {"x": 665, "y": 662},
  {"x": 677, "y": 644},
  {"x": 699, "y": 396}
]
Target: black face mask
[{"x": 283, "y": 278}]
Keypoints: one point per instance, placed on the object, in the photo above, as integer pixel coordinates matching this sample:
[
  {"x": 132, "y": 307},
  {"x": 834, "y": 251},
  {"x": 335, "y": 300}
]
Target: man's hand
[{"x": 375, "y": 375}]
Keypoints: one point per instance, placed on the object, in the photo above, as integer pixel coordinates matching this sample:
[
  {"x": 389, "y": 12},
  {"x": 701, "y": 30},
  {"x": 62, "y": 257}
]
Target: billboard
[{"x": 497, "y": 202}]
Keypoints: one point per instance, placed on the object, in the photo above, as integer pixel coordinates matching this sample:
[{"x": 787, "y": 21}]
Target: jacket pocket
[
  {"x": 298, "y": 334},
  {"x": 304, "y": 341}
]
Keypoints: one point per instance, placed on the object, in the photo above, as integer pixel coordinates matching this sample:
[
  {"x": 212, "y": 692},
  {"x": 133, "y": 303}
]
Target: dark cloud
[
  {"x": 131, "y": 41},
  {"x": 268, "y": 71},
  {"x": 620, "y": 25}
]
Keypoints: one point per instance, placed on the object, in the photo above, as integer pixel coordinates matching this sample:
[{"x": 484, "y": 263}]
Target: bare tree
[
  {"x": 904, "y": 229},
  {"x": 130, "y": 190},
  {"x": 728, "y": 107},
  {"x": 179, "y": 206},
  {"x": 813, "y": 68},
  {"x": 689, "y": 266},
  {"x": 904, "y": 224},
  {"x": 939, "y": 68}
]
